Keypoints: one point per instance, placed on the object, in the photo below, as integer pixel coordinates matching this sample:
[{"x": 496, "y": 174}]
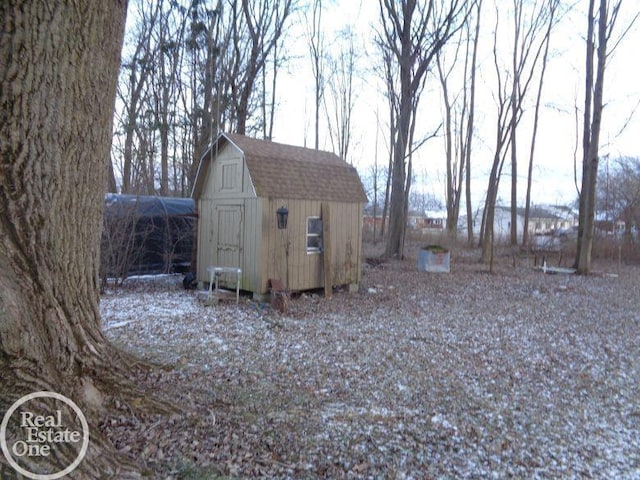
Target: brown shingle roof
[{"x": 287, "y": 171}]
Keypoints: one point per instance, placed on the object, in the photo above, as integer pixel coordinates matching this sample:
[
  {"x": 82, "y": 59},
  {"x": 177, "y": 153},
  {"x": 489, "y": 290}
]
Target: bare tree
[
  {"x": 374, "y": 181},
  {"x": 375, "y": 172},
  {"x": 529, "y": 28},
  {"x": 153, "y": 92},
  {"x": 411, "y": 35},
  {"x": 459, "y": 112},
  {"x": 209, "y": 86},
  {"x": 197, "y": 68},
  {"x": 618, "y": 193},
  {"x": 454, "y": 167},
  {"x": 526, "y": 35},
  {"x": 553, "y": 7},
  {"x": 340, "y": 104},
  {"x": 315, "y": 38},
  {"x": 133, "y": 86},
  {"x": 278, "y": 58},
  {"x": 470, "y": 126},
  {"x": 601, "y": 20},
  {"x": 386, "y": 72},
  {"x": 502, "y": 132},
  {"x": 171, "y": 31},
  {"x": 256, "y": 28}
]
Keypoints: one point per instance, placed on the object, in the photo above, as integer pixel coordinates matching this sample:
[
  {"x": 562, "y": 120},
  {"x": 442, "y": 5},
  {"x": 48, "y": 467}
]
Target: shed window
[{"x": 314, "y": 234}]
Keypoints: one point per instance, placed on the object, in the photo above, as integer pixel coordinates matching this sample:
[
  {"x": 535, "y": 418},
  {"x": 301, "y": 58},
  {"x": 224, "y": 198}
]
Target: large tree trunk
[
  {"x": 516, "y": 102},
  {"x": 397, "y": 218},
  {"x": 513, "y": 224},
  {"x": 60, "y": 64},
  {"x": 591, "y": 136},
  {"x": 487, "y": 234}
]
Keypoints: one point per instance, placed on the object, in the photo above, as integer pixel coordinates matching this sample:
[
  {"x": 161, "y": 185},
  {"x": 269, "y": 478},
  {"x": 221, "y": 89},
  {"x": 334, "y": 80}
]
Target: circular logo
[{"x": 39, "y": 433}]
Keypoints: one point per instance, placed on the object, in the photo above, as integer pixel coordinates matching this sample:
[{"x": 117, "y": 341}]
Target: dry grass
[{"x": 459, "y": 375}]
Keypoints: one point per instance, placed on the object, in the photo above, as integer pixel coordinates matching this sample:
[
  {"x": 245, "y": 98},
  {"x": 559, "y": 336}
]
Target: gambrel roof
[{"x": 286, "y": 171}]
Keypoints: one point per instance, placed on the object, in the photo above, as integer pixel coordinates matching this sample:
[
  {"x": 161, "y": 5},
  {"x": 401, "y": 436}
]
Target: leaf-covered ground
[{"x": 418, "y": 375}]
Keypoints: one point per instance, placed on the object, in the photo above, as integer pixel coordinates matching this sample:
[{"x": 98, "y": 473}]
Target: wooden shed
[{"x": 240, "y": 185}]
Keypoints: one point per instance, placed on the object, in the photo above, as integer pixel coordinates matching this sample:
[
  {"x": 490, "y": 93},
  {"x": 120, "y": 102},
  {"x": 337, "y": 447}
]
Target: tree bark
[
  {"x": 470, "y": 127},
  {"x": 591, "y": 136},
  {"x": 60, "y": 66},
  {"x": 316, "y": 50},
  {"x": 452, "y": 194},
  {"x": 487, "y": 234},
  {"x": 515, "y": 106}
]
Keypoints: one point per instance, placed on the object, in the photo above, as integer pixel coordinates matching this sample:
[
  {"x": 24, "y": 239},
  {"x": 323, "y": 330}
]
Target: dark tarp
[{"x": 147, "y": 235}]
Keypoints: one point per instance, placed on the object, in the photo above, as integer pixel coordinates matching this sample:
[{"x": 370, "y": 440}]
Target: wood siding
[
  {"x": 228, "y": 201},
  {"x": 301, "y": 270}
]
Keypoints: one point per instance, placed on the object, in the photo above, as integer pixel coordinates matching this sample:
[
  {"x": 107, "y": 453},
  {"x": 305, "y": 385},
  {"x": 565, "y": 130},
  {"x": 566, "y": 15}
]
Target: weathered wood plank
[{"x": 326, "y": 249}]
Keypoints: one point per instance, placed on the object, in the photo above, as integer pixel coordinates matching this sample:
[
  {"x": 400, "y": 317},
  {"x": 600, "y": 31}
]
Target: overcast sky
[{"x": 554, "y": 161}]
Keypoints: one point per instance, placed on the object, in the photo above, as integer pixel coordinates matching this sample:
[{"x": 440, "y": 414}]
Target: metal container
[{"x": 433, "y": 258}]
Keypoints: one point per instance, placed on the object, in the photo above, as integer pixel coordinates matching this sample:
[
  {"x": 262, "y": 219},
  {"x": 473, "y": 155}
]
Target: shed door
[{"x": 229, "y": 235}]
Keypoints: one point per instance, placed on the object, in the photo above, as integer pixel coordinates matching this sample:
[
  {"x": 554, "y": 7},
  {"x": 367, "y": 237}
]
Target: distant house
[
  {"x": 372, "y": 218},
  {"x": 242, "y": 182},
  {"x": 605, "y": 226},
  {"x": 502, "y": 222},
  {"x": 435, "y": 220},
  {"x": 427, "y": 221},
  {"x": 543, "y": 220}
]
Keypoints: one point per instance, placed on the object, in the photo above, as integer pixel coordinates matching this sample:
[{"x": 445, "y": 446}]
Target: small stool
[{"x": 215, "y": 293}]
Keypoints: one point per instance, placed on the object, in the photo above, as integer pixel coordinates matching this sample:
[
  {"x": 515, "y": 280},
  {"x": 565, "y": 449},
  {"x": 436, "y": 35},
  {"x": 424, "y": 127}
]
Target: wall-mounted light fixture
[{"x": 282, "y": 214}]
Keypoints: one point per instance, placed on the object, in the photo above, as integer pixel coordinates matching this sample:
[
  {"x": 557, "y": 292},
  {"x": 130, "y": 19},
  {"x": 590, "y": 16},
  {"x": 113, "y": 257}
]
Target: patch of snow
[{"x": 513, "y": 375}]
